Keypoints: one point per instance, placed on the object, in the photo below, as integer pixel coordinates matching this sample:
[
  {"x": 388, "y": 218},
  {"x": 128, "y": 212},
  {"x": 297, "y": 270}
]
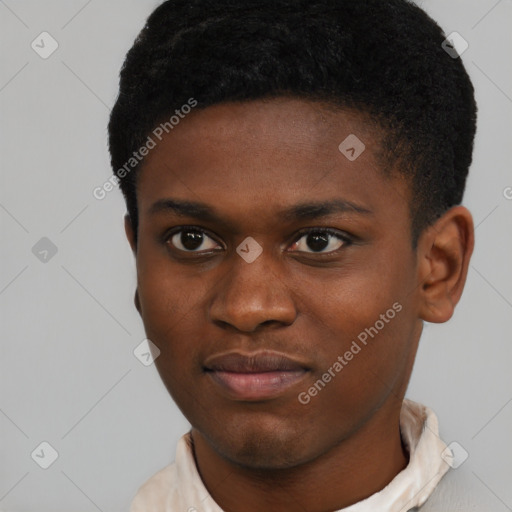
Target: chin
[{"x": 260, "y": 446}]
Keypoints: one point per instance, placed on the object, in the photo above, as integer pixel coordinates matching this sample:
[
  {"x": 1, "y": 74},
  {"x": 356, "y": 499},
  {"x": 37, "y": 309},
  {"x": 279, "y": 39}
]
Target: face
[{"x": 246, "y": 338}]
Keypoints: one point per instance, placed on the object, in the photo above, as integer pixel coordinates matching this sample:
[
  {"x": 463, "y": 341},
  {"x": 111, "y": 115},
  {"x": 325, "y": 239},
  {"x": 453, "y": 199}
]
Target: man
[{"x": 293, "y": 173}]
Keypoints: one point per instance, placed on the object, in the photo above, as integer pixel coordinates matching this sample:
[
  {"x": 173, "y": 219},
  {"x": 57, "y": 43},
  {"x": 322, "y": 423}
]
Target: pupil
[
  {"x": 317, "y": 241},
  {"x": 191, "y": 239}
]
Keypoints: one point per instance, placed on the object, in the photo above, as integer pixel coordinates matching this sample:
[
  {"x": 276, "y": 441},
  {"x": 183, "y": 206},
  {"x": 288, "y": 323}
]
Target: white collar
[{"x": 179, "y": 486}]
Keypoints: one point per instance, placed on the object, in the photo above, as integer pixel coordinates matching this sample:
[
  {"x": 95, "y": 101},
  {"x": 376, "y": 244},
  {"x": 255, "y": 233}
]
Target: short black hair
[{"x": 382, "y": 57}]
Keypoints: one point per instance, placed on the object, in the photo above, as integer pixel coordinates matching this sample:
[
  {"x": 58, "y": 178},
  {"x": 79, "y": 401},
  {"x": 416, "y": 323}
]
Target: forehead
[
  {"x": 262, "y": 155},
  {"x": 279, "y": 124}
]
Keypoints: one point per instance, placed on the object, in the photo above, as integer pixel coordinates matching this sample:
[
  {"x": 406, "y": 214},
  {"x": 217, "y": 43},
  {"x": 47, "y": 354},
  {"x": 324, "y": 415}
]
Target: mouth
[{"x": 254, "y": 377}]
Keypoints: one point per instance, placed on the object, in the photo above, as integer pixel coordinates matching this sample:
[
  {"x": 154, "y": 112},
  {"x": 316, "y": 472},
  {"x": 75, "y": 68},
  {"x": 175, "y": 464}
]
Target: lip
[{"x": 256, "y": 376}]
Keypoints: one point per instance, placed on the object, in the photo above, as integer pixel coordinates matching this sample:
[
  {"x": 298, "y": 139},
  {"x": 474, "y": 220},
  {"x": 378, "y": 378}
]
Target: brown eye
[
  {"x": 318, "y": 240},
  {"x": 192, "y": 240}
]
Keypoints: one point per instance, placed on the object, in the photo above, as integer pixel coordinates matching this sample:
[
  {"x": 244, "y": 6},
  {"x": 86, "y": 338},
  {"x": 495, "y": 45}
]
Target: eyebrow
[{"x": 302, "y": 211}]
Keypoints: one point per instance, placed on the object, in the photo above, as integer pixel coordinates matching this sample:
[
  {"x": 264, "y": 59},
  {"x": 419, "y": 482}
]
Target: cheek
[
  {"x": 347, "y": 301},
  {"x": 170, "y": 316},
  {"x": 165, "y": 293},
  {"x": 360, "y": 375},
  {"x": 170, "y": 306},
  {"x": 367, "y": 319}
]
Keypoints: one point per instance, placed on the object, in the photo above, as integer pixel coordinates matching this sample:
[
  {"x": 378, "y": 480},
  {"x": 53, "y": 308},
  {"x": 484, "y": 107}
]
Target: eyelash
[{"x": 347, "y": 240}]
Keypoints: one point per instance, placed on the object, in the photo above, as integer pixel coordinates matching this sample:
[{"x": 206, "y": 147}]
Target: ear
[
  {"x": 137, "y": 301},
  {"x": 130, "y": 233},
  {"x": 444, "y": 251}
]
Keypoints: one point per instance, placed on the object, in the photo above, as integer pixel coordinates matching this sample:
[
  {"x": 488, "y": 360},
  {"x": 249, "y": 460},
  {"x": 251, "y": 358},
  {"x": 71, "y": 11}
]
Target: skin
[{"x": 248, "y": 161}]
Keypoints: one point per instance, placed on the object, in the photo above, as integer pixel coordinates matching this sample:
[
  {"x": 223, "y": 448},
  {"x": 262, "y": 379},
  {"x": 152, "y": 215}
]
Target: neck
[{"x": 359, "y": 466}]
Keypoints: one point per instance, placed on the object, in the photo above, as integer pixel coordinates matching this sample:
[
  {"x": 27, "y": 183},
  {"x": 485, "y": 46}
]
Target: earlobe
[
  {"x": 444, "y": 251},
  {"x": 130, "y": 234}
]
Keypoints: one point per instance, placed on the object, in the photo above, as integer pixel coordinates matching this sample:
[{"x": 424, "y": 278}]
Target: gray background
[{"x": 69, "y": 327}]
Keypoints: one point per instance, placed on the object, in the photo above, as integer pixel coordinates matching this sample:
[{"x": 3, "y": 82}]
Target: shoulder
[
  {"x": 153, "y": 494},
  {"x": 175, "y": 487}
]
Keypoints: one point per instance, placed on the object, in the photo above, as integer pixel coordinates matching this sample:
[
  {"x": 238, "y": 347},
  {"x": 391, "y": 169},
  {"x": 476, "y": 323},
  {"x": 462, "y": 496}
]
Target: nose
[{"x": 250, "y": 295}]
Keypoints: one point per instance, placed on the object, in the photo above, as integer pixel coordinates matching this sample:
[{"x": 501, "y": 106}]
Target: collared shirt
[{"x": 178, "y": 487}]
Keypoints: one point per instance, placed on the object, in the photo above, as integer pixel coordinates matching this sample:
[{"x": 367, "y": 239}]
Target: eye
[
  {"x": 319, "y": 239},
  {"x": 191, "y": 240}
]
